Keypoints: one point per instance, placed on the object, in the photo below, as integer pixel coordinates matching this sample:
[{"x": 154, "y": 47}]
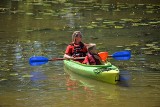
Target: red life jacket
[
  {"x": 78, "y": 50},
  {"x": 92, "y": 60}
]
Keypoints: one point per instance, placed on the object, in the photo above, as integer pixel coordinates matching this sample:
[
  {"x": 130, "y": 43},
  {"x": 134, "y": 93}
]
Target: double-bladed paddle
[{"x": 40, "y": 60}]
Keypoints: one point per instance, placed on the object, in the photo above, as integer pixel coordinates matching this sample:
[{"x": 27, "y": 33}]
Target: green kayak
[{"x": 107, "y": 73}]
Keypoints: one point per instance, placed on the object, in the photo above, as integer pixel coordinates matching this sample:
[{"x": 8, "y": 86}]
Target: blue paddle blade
[
  {"x": 38, "y": 60},
  {"x": 122, "y": 55}
]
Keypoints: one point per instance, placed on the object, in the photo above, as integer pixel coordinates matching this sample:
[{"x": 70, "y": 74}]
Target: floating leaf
[
  {"x": 27, "y": 76},
  {"x": 46, "y": 5},
  {"x": 3, "y": 79},
  {"x": 148, "y": 53},
  {"x": 90, "y": 27},
  {"x": 135, "y": 44},
  {"x": 7, "y": 69},
  {"x": 155, "y": 42},
  {"x": 94, "y": 25},
  {"x": 35, "y": 89},
  {"x": 149, "y": 7},
  {"x": 39, "y": 18},
  {"x": 118, "y": 27},
  {"x": 29, "y": 30},
  {"x": 37, "y": 4},
  {"x": 94, "y": 37},
  {"x": 132, "y": 14},
  {"x": 13, "y": 74},
  {"x": 141, "y": 4},
  {"x": 122, "y": 22},
  {"x": 99, "y": 43},
  {"x": 154, "y": 46},
  {"x": 135, "y": 24},
  {"x": 158, "y": 49},
  {"x": 143, "y": 24},
  {"x": 149, "y": 11},
  {"x": 153, "y": 22},
  {"x": 145, "y": 48},
  {"x": 127, "y": 20},
  {"x": 109, "y": 22},
  {"x": 96, "y": 6},
  {"x": 95, "y": 22},
  {"x": 128, "y": 49},
  {"x": 119, "y": 46},
  {"x": 150, "y": 45},
  {"x": 124, "y": 7},
  {"x": 29, "y": 14},
  {"x": 10, "y": 64},
  {"x": 68, "y": 4},
  {"x": 99, "y": 19}
]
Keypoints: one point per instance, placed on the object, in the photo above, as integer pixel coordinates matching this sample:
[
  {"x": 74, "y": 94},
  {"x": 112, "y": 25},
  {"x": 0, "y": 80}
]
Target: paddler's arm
[
  {"x": 72, "y": 58},
  {"x": 68, "y": 52},
  {"x": 97, "y": 57},
  {"x": 68, "y": 56}
]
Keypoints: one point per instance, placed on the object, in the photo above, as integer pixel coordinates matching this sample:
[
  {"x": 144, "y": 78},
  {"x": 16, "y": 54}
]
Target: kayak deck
[{"x": 106, "y": 73}]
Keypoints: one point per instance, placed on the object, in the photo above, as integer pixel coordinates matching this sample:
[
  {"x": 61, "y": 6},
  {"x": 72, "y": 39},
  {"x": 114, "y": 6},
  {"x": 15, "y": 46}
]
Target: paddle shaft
[{"x": 57, "y": 59}]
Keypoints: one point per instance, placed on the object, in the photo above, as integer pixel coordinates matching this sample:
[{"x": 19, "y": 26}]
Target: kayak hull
[{"x": 107, "y": 73}]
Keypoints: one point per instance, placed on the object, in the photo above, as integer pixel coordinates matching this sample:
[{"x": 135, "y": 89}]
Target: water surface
[{"x": 44, "y": 28}]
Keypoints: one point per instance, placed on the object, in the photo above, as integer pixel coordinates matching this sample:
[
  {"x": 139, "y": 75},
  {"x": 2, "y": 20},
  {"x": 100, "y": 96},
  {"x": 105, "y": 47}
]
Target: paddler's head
[{"x": 76, "y": 37}]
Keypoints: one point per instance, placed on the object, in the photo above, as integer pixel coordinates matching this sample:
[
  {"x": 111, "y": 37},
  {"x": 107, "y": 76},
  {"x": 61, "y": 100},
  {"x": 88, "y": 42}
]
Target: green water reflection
[{"x": 44, "y": 27}]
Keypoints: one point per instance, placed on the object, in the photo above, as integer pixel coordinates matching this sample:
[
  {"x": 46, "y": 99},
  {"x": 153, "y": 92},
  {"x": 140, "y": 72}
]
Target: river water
[{"x": 44, "y": 28}]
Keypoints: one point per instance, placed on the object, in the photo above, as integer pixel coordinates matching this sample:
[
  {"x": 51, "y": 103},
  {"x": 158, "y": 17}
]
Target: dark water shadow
[
  {"x": 38, "y": 76},
  {"x": 125, "y": 79}
]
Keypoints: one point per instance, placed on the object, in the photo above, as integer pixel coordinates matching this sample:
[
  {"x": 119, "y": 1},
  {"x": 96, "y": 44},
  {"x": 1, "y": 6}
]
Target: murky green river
[{"x": 44, "y": 28}]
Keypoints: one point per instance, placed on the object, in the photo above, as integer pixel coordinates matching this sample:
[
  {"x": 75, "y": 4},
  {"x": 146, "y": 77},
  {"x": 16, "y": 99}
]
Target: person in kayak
[
  {"x": 92, "y": 57},
  {"x": 76, "y": 48}
]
